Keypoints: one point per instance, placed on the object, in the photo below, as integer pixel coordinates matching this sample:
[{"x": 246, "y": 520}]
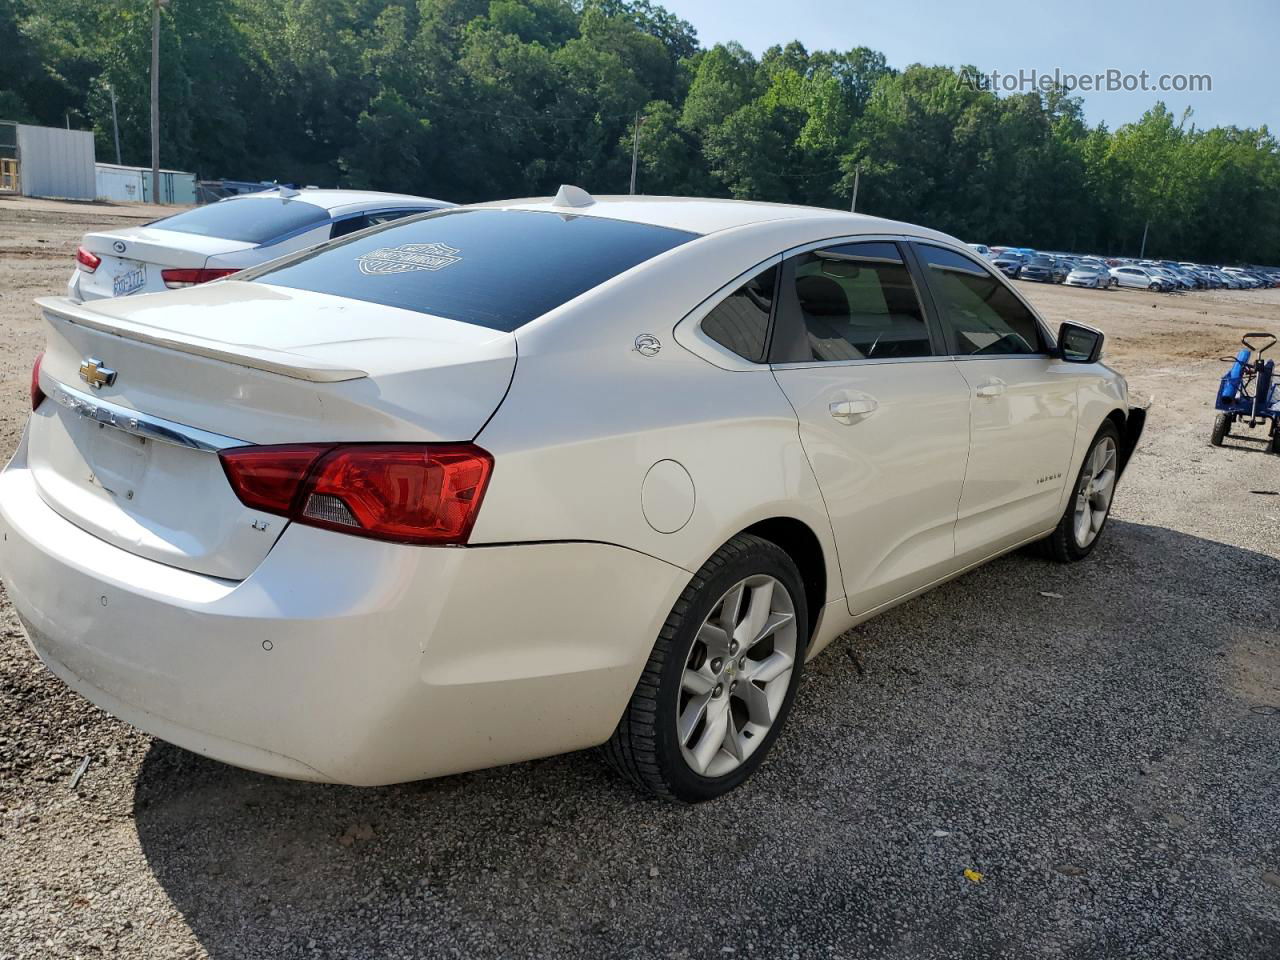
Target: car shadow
[{"x": 1023, "y": 717}]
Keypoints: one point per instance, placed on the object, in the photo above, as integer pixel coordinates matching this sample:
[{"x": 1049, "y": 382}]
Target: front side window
[
  {"x": 856, "y": 301},
  {"x": 987, "y": 319},
  {"x": 494, "y": 268},
  {"x": 740, "y": 322}
]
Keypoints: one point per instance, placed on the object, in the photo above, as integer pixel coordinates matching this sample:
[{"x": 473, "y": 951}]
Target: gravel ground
[{"x": 1097, "y": 741}]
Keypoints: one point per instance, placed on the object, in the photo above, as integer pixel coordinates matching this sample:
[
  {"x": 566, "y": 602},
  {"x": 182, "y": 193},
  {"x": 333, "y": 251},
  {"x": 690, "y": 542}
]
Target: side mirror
[{"x": 1079, "y": 344}]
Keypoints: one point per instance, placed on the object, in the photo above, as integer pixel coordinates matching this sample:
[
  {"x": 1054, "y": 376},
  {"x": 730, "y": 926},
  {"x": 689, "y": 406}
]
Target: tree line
[{"x": 476, "y": 99}]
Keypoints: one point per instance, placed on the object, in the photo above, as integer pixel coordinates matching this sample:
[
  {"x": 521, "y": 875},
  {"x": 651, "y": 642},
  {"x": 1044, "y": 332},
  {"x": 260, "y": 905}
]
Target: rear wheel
[
  {"x": 721, "y": 678},
  {"x": 1221, "y": 429},
  {"x": 1273, "y": 445},
  {"x": 1090, "y": 506}
]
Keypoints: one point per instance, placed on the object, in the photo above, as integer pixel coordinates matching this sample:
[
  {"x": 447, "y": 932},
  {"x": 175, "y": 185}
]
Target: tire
[
  {"x": 1273, "y": 444},
  {"x": 647, "y": 748},
  {"x": 1154, "y": 287},
  {"x": 1221, "y": 429},
  {"x": 1065, "y": 545}
]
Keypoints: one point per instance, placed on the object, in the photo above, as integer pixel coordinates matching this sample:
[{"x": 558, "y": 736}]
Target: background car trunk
[{"x": 149, "y": 249}]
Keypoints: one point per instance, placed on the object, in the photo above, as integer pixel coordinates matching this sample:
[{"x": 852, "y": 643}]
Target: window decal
[{"x": 406, "y": 257}]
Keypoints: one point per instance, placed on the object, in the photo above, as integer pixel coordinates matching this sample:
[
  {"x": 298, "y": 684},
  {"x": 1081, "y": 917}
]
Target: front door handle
[
  {"x": 846, "y": 410},
  {"x": 995, "y": 387}
]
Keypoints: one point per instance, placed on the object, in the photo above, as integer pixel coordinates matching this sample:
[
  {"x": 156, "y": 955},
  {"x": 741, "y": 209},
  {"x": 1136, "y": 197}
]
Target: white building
[{"x": 46, "y": 161}]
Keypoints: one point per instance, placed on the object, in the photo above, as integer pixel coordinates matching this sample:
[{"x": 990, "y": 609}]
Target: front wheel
[
  {"x": 1090, "y": 505},
  {"x": 721, "y": 678},
  {"x": 1221, "y": 429}
]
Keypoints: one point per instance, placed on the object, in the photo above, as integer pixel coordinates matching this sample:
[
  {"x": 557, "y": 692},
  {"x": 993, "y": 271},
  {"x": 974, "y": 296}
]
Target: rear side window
[
  {"x": 247, "y": 219},
  {"x": 352, "y": 224},
  {"x": 987, "y": 319},
  {"x": 857, "y": 302},
  {"x": 740, "y": 322},
  {"x": 494, "y": 268}
]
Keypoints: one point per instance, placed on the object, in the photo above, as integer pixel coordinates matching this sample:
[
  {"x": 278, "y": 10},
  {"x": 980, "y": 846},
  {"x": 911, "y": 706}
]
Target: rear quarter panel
[{"x": 588, "y": 416}]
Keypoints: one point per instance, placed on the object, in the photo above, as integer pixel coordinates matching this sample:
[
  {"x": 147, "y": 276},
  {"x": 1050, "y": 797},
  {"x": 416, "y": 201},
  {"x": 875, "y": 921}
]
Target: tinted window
[
  {"x": 249, "y": 219},
  {"x": 987, "y": 318},
  {"x": 857, "y": 302},
  {"x": 741, "y": 320},
  {"x": 494, "y": 268},
  {"x": 350, "y": 225}
]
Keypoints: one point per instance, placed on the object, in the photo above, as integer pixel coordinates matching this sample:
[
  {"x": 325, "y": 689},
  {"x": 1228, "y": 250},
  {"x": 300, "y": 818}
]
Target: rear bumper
[{"x": 342, "y": 659}]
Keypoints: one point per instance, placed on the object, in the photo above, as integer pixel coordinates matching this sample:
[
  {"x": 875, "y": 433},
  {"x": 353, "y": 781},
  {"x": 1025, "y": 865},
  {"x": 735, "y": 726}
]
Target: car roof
[
  {"x": 344, "y": 201},
  {"x": 704, "y": 216}
]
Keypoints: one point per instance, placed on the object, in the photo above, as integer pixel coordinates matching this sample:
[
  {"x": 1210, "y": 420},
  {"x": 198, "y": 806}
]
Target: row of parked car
[{"x": 1163, "y": 276}]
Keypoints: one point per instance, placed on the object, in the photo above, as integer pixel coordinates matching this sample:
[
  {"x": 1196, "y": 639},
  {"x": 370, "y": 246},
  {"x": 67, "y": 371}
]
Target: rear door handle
[
  {"x": 846, "y": 410},
  {"x": 994, "y": 387}
]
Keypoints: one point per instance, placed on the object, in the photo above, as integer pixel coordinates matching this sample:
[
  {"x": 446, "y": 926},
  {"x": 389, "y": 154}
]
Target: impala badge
[
  {"x": 647, "y": 345},
  {"x": 95, "y": 374}
]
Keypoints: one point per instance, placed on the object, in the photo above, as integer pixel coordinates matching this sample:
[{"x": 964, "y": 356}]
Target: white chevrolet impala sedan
[{"x": 503, "y": 481}]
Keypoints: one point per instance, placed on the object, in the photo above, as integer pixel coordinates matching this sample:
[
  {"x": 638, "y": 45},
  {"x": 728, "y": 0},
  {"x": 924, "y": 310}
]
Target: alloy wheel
[
  {"x": 1093, "y": 496},
  {"x": 736, "y": 676}
]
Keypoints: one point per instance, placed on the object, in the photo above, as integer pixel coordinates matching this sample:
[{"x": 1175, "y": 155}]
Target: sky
[{"x": 1235, "y": 42}]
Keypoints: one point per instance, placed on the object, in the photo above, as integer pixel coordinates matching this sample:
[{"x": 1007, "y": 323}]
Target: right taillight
[
  {"x": 88, "y": 261},
  {"x": 179, "y": 277},
  {"x": 37, "y": 395},
  {"x": 425, "y": 493}
]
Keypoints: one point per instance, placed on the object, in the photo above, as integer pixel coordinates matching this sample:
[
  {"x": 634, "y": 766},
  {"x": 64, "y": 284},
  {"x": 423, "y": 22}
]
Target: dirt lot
[{"x": 1099, "y": 741}]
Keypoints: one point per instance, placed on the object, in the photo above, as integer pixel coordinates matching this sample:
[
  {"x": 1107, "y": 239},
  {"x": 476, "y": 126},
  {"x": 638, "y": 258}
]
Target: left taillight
[
  {"x": 406, "y": 493},
  {"x": 37, "y": 394},
  {"x": 88, "y": 261},
  {"x": 177, "y": 278}
]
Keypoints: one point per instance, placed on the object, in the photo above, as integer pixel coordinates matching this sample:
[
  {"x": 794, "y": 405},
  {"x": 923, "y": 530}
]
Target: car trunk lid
[
  {"x": 132, "y": 258},
  {"x": 133, "y": 460}
]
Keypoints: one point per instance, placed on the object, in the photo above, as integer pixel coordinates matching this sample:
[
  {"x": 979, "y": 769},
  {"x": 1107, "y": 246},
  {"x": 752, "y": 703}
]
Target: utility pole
[
  {"x": 635, "y": 151},
  {"x": 1143, "y": 253},
  {"x": 857, "y": 175},
  {"x": 115, "y": 124},
  {"x": 155, "y": 98}
]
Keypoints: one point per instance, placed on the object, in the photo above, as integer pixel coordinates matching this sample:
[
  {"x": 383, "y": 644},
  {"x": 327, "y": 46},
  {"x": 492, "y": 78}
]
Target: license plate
[
  {"x": 117, "y": 460},
  {"x": 126, "y": 283}
]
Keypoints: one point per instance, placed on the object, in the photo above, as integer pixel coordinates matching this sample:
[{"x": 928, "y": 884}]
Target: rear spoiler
[{"x": 293, "y": 365}]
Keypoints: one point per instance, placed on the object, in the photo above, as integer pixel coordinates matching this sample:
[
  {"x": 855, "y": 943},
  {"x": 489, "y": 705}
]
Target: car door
[
  {"x": 1132, "y": 277},
  {"x": 1023, "y": 404},
  {"x": 883, "y": 413}
]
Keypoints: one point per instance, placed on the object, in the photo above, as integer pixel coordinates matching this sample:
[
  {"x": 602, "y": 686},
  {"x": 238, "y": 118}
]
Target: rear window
[
  {"x": 494, "y": 268},
  {"x": 248, "y": 219}
]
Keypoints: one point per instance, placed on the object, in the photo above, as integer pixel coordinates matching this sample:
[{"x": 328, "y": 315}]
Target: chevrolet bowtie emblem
[{"x": 95, "y": 374}]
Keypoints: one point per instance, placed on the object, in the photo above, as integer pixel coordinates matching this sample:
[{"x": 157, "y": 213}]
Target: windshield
[
  {"x": 495, "y": 268},
  {"x": 248, "y": 219}
]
